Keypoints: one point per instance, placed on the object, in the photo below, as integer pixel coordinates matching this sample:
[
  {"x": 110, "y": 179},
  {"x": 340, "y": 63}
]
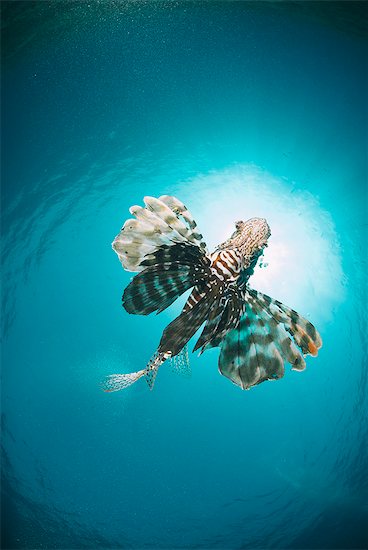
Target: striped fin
[
  {"x": 224, "y": 315},
  {"x": 213, "y": 320},
  {"x": 227, "y": 308},
  {"x": 257, "y": 348},
  {"x": 157, "y": 224},
  {"x": 304, "y": 333},
  {"x": 194, "y": 297},
  {"x": 249, "y": 355},
  {"x": 207, "y": 307},
  {"x": 181, "y": 329},
  {"x": 155, "y": 290},
  {"x": 167, "y": 274},
  {"x": 275, "y": 330},
  {"x": 181, "y": 253},
  {"x": 183, "y": 213}
]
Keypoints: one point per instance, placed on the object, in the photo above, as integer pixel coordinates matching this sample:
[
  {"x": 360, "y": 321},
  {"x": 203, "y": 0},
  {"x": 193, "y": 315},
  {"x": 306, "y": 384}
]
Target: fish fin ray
[
  {"x": 247, "y": 357},
  {"x": 184, "y": 215},
  {"x": 224, "y": 316},
  {"x": 305, "y": 335},
  {"x": 183, "y": 327},
  {"x": 180, "y": 363},
  {"x": 171, "y": 272},
  {"x": 116, "y": 382},
  {"x": 161, "y": 223}
]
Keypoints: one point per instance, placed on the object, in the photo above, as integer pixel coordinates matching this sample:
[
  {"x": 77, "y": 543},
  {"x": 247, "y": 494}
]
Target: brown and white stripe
[
  {"x": 226, "y": 264},
  {"x": 195, "y": 296}
]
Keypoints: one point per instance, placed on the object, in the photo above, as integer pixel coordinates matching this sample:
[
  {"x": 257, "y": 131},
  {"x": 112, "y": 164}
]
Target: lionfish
[{"x": 255, "y": 333}]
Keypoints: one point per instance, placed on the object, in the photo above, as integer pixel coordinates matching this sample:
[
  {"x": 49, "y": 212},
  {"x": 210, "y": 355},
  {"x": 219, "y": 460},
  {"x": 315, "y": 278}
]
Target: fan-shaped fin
[
  {"x": 249, "y": 356},
  {"x": 183, "y": 213},
  {"x": 258, "y": 347},
  {"x": 161, "y": 223},
  {"x": 304, "y": 333},
  {"x": 154, "y": 290},
  {"x": 275, "y": 330},
  {"x": 168, "y": 273}
]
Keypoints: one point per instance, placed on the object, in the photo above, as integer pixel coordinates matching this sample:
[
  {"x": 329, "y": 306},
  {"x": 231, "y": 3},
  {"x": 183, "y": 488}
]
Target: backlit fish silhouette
[{"x": 255, "y": 333}]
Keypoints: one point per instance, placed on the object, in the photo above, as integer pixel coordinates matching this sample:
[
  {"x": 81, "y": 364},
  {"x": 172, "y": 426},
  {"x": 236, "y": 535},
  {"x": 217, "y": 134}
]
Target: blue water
[{"x": 240, "y": 110}]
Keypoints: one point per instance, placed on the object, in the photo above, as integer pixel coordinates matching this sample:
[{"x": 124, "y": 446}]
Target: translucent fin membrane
[
  {"x": 150, "y": 375},
  {"x": 180, "y": 363},
  {"x": 116, "y": 382}
]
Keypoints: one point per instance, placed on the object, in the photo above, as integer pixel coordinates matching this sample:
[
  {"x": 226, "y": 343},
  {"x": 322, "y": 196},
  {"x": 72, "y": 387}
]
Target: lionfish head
[
  {"x": 249, "y": 237},
  {"x": 253, "y": 233}
]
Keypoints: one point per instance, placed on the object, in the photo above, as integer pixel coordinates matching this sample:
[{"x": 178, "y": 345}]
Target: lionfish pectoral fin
[
  {"x": 248, "y": 356},
  {"x": 269, "y": 334},
  {"x": 304, "y": 334},
  {"x": 165, "y": 247}
]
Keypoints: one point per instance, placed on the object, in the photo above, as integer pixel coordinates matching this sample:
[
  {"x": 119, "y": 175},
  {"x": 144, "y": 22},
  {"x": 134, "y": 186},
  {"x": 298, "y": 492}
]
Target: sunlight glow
[{"x": 302, "y": 263}]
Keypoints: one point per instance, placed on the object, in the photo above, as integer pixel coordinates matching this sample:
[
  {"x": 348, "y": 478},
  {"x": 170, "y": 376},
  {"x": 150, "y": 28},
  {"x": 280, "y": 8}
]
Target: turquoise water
[{"x": 239, "y": 110}]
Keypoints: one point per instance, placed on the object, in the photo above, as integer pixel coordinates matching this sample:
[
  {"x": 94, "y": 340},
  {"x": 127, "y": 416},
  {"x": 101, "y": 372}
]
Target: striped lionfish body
[{"x": 255, "y": 333}]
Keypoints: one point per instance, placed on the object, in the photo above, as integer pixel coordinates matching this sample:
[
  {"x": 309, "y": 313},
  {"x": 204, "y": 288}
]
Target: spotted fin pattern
[
  {"x": 191, "y": 234},
  {"x": 163, "y": 244},
  {"x": 162, "y": 222},
  {"x": 304, "y": 333},
  {"x": 258, "y": 347},
  {"x": 180, "y": 363}
]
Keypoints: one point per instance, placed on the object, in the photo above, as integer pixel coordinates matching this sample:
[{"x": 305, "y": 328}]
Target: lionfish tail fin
[
  {"x": 116, "y": 382},
  {"x": 269, "y": 334}
]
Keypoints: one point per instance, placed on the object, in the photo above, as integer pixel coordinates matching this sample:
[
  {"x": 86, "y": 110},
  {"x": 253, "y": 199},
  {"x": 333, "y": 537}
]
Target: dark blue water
[{"x": 240, "y": 110}]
